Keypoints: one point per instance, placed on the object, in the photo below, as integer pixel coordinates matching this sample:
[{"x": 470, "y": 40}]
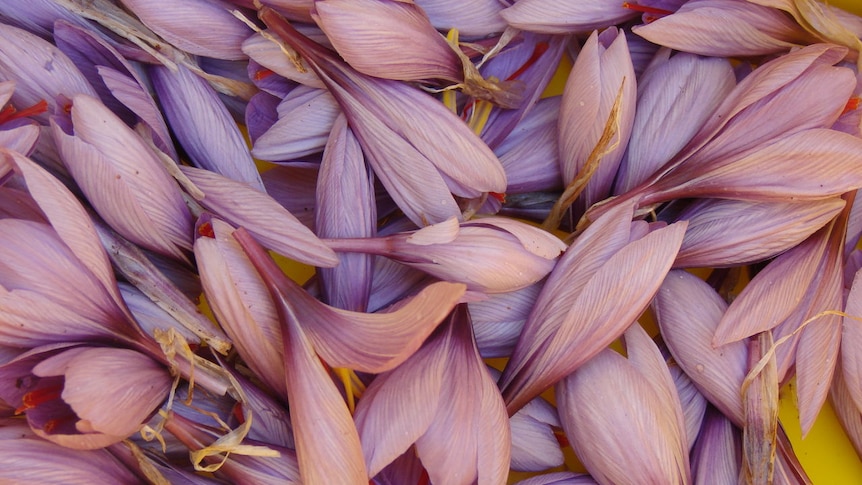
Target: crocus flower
[
  {"x": 633, "y": 436},
  {"x": 499, "y": 318},
  {"x": 551, "y": 17},
  {"x": 39, "y": 16},
  {"x": 559, "y": 335},
  {"x": 200, "y": 27},
  {"x": 41, "y": 71},
  {"x": 676, "y": 95},
  {"x": 737, "y": 156},
  {"x": 530, "y": 154},
  {"x": 602, "y": 72},
  {"x": 401, "y": 145},
  {"x": 456, "y": 417},
  {"x": 851, "y": 360},
  {"x": 122, "y": 178},
  {"x": 493, "y": 255},
  {"x": 203, "y": 125},
  {"x": 294, "y": 188},
  {"x": 263, "y": 50},
  {"x": 846, "y": 409},
  {"x": 305, "y": 118}
]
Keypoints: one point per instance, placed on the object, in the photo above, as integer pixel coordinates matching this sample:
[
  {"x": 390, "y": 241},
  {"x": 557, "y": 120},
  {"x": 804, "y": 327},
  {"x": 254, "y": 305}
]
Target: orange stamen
[
  {"x": 9, "y": 113},
  {"x": 55, "y": 423},
  {"x": 852, "y": 104},
  {"x": 646, "y": 9},
  {"x": 39, "y": 396},
  {"x": 540, "y": 49}
]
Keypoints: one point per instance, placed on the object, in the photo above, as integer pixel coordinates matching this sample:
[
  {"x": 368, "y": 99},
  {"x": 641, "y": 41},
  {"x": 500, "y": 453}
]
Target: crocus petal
[
  {"x": 778, "y": 171},
  {"x": 305, "y": 118},
  {"x": 725, "y": 28},
  {"x": 39, "y": 461},
  {"x": 123, "y": 179},
  {"x": 851, "y": 360},
  {"x": 534, "y": 445},
  {"x": 473, "y": 18},
  {"x": 846, "y": 409},
  {"x": 36, "y": 295},
  {"x": 602, "y": 69},
  {"x": 732, "y": 232},
  {"x": 688, "y": 311},
  {"x": 113, "y": 391},
  {"x": 717, "y": 455},
  {"x": 551, "y": 17},
  {"x": 674, "y": 100},
  {"x": 557, "y": 338},
  {"x": 20, "y": 139},
  {"x": 631, "y": 436},
  {"x": 773, "y": 293},
  {"x": 241, "y": 304},
  {"x": 529, "y": 154},
  {"x": 41, "y": 71},
  {"x": 39, "y": 16},
  {"x": 323, "y": 427},
  {"x": 498, "y": 320},
  {"x": 69, "y": 219},
  {"x": 201, "y": 27},
  {"x": 559, "y": 478},
  {"x": 346, "y": 208},
  {"x": 262, "y": 49},
  {"x": 203, "y": 125},
  {"x": 388, "y": 39},
  {"x": 244, "y": 206}
]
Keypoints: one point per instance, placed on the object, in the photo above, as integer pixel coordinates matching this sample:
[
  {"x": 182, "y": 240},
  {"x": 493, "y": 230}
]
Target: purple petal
[
  {"x": 38, "y": 461},
  {"x": 717, "y": 455},
  {"x": 305, "y": 118},
  {"x": 473, "y": 18},
  {"x": 203, "y": 125}
]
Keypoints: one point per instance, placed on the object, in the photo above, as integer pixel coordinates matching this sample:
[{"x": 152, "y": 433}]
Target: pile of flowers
[{"x": 476, "y": 239}]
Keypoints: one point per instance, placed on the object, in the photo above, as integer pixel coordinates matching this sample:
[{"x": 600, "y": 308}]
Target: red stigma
[
  {"x": 206, "y": 230},
  {"x": 237, "y": 413},
  {"x": 39, "y": 396},
  {"x": 646, "y": 9},
  {"x": 424, "y": 479},
  {"x": 561, "y": 438},
  {"x": 540, "y": 49},
  {"x": 498, "y": 196},
  {"x": 9, "y": 113},
  {"x": 852, "y": 104},
  {"x": 263, "y": 74}
]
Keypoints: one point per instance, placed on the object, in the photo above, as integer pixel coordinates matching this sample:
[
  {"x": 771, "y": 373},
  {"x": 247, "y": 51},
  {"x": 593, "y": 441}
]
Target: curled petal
[
  {"x": 305, "y": 118},
  {"x": 552, "y": 17}
]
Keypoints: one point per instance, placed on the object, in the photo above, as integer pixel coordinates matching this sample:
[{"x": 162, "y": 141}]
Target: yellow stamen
[
  {"x": 479, "y": 115},
  {"x": 353, "y": 387}
]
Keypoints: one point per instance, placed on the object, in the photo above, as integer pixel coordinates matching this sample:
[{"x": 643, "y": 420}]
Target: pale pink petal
[
  {"x": 688, "y": 311},
  {"x": 201, "y": 27},
  {"x": 472, "y": 18},
  {"x": 269, "y": 55},
  {"x": 38, "y": 461},
  {"x": 305, "y": 117},
  {"x": 725, "y": 28},
  {"x": 851, "y": 342},
  {"x": 323, "y": 427},
  {"x": 774, "y": 292},
  {"x": 717, "y": 455},
  {"x": 553, "y": 17}
]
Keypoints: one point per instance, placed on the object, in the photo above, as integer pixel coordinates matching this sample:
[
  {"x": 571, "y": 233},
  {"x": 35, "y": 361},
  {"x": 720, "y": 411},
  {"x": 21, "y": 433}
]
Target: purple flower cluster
[{"x": 170, "y": 169}]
